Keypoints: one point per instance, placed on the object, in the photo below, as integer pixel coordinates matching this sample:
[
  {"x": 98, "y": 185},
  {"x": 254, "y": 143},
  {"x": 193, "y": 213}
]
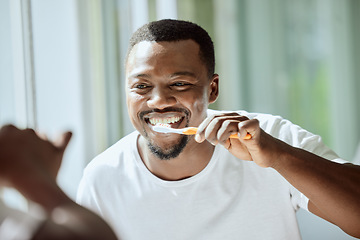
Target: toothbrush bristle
[
  {"x": 162, "y": 127},
  {"x": 166, "y": 128}
]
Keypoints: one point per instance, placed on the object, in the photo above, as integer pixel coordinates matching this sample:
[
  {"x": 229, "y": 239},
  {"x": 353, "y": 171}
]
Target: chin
[{"x": 171, "y": 150}]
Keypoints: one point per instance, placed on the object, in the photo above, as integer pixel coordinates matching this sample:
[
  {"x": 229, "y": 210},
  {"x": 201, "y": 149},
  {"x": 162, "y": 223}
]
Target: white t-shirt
[{"x": 228, "y": 199}]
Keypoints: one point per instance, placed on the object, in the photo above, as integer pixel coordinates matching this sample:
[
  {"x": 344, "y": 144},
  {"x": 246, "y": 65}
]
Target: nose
[{"x": 161, "y": 98}]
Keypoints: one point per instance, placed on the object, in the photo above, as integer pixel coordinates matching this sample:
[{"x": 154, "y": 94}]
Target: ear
[{"x": 214, "y": 88}]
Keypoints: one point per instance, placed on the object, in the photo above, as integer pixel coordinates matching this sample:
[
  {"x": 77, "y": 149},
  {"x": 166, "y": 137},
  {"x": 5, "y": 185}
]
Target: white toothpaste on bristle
[
  {"x": 165, "y": 128},
  {"x": 163, "y": 125}
]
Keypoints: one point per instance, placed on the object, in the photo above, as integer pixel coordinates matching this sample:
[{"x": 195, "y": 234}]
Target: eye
[
  {"x": 141, "y": 86},
  {"x": 179, "y": 84}
]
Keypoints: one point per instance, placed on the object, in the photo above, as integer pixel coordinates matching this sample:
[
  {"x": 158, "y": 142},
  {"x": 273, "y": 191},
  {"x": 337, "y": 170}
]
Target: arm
[
  {"x": 30, "y": 165},
  {"x": 332, "y": 188}
]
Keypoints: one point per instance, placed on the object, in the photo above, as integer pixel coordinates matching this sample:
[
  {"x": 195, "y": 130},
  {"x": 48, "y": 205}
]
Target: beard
[
  {"x": 175, "y": 150},
  {"x": 172, "y": 152}
]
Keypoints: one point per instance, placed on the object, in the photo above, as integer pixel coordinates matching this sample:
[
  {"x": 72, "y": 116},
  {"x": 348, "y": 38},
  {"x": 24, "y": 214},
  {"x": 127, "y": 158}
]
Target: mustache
[{"x": 169, "y": 109}]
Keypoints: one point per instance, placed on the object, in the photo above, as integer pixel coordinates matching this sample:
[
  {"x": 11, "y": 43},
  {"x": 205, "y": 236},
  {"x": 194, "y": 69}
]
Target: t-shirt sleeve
[
  {"x": 296, "y": 136},
  {"x": 298, "y": 199}
]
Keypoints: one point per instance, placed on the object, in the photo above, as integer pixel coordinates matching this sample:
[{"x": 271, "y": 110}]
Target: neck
[{"x": 192, "y": 160}]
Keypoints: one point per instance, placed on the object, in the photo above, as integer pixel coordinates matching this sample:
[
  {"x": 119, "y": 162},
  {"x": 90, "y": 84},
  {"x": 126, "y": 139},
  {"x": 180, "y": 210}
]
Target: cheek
[
  {"x": 198, "y": 103},
  {"x": 134, "y": 103},
  {"x": 134, "y": 99},
  {"x": 201, "y": 105}
]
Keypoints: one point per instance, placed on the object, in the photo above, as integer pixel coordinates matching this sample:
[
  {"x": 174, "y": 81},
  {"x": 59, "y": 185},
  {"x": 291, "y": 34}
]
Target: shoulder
[
  {"x": 268, "y": 122},
  {"x": 114, "y": 163},
  {"x": 275, "y": 125},
  {"x": 288, "y": 132},
  {"x": 114, "y": 156}
]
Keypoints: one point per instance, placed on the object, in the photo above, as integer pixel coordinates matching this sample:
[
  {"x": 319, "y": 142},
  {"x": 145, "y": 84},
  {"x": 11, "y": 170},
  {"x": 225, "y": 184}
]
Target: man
[
  {"x": 152, "y": 185},
  {"x": 30, "y": 165}
]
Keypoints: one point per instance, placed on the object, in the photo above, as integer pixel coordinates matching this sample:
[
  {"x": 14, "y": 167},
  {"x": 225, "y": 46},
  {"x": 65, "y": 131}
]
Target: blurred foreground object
[{"x": 30, "y": 163}]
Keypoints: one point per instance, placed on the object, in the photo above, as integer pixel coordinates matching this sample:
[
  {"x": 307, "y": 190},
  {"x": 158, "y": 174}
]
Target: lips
[{"x": 173, "y": 119}]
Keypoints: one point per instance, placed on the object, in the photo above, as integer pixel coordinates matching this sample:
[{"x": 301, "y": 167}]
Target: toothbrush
[{"x": 165, "y": 128}]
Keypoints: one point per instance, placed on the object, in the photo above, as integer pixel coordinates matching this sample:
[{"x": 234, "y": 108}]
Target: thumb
[{"x": 62, "y": 142}]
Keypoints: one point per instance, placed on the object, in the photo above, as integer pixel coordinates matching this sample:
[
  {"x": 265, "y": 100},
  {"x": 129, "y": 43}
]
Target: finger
[
  {"x": 213, "y": 121},
  {"x": 227, "y": 128},
  {"x": 200, "y": 134},
  {"x": 216, "y": 125},
  {"x": 8, "y": 127},
  {"x": 63, "y": 141},
  {"x": 204, "y": 124},
  {"x": 8, "y": 130},
  {"x": 249, "y": 127},
  {"x": 227, "y": 143},
  {"x": 29, "y": 131},
  {"x": 42, "y": 135},
  {"x": 211, "y": 130}
]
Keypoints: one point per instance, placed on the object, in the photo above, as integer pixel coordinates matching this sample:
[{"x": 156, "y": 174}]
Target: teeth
[{"x": 169, "y": 120}]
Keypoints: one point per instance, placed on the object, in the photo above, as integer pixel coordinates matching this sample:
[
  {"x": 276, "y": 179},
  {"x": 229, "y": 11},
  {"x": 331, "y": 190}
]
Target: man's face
[{"x": 166, "y": 82}]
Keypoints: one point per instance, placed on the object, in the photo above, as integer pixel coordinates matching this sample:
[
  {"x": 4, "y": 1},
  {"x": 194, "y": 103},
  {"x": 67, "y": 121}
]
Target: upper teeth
[{"x": 168, "y": 120}]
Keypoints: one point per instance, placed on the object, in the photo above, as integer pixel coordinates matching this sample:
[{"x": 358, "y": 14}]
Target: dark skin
[
  {"x": 160, "y": 77},
  {"x": 153, "y": 83},
  {"x": 332, "y": 188},
  {"x": 30, "y": 165}
]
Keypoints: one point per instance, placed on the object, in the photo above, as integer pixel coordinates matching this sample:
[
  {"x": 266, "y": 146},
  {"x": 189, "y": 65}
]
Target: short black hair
[{"x": 175, "y": 30}]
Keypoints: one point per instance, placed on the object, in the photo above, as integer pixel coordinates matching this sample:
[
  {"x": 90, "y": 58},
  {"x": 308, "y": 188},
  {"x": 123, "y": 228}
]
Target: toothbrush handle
[
  {"x": 235, "y": 135},
  {"x": 193, "y": 130}
]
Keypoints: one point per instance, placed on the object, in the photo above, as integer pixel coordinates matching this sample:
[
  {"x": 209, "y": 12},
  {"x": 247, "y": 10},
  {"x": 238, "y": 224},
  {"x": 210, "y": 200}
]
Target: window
[{"x": 298, "y": 59}]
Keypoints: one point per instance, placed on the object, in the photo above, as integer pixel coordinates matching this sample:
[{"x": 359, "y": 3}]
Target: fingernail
[{"x": 197, "y": 138}]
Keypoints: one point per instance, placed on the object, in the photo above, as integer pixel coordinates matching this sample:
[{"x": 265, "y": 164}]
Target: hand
[
  {"x": 30, "y": 164},
  {"x": 24, "y": 154},
  {"x": 261, "y": 148}
]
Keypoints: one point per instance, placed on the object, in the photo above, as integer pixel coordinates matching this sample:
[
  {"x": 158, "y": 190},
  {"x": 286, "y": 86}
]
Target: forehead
[{"x": 177, "y": 54}]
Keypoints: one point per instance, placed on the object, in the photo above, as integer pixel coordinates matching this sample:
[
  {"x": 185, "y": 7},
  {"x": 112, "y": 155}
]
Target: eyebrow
[
  {"x": 184, "y": 73},
  {"x": 140, "y": 75},
  {"x": 176, "y": 74}
]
